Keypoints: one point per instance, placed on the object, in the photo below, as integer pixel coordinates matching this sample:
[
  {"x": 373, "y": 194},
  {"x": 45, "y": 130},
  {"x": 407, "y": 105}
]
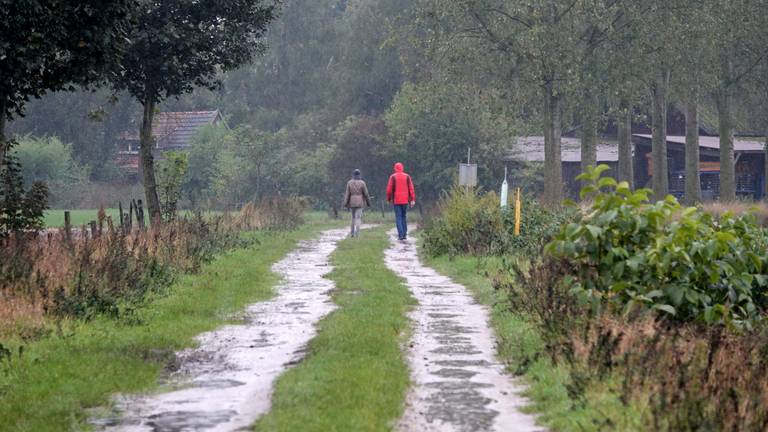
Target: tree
[
  {"x": 739, "y": 51},
  {"x": 177, "y": 45},
  {"x": 658, "y": 32},
  {"x": 48, "y": 160},
  {"x": 694, "y": 62},
  {"x": 360, "y": 143},
  {"x": 553, "y": 46},
  {"x": 87, "y": 120},
  {"x": 369, "y": 72},
  {"x": 48, "y": 45},
  {"x": 19, "y": 209},
  {"x": 430, "y": 129}
]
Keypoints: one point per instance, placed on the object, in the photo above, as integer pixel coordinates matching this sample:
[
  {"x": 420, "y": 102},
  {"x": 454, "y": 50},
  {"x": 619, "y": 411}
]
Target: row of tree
[
  {"x": 419, "y": 81},
  {"x": 151, "y": 50},
  {"x": 599, "y": 60}
]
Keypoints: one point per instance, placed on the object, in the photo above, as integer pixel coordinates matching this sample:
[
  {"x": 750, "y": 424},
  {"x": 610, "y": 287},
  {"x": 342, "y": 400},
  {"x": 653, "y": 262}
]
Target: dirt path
[
  {"x": 458, "y": 385},
  {"x": 225, "y": 384}
]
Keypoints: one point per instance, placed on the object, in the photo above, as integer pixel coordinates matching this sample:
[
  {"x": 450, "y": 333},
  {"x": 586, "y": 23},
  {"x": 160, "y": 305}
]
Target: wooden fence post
[
  {"x": 67, "y": 225},
  {"x": 140, "y": 214},
  {"x": 120, "y": 209}
]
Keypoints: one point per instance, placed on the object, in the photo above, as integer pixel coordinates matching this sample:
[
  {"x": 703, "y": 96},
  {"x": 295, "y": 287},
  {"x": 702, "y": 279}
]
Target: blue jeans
[{"x": 400, "y": 220}]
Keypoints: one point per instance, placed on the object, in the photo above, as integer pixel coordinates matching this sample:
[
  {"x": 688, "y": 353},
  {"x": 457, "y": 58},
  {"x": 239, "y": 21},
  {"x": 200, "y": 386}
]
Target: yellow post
[{"x": 518, "y": 204}]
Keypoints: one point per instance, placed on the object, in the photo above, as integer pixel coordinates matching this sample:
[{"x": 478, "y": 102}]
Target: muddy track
[
  {"x": 226, "y": 382},
  {"x": 458, "y": 385}
]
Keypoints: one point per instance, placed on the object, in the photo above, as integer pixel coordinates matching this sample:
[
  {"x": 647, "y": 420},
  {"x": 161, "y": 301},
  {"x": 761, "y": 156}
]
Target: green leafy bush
[
  {"x": 48, "y": 159},
  {"x": 538, "y": 226},
  {"x": 469, "y": 223},
  {"x": 681, "y": 261},
  {"x": 20, "y": 210},
  {"x": 170, "y": 177},
  {"x": 473, "y": 223}
]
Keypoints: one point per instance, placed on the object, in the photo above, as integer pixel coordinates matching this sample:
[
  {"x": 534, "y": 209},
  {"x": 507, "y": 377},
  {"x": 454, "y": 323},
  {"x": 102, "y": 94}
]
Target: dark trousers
[{"x": 401, "y": 211}]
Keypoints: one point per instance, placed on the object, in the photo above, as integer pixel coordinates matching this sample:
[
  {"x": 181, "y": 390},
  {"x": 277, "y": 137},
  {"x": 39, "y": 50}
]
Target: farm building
[
  {"x": 749, "y": 152},
  {"x": 530, "y": 150},
  {"x": 171, "y": 130},
  {"x": 750, "y": 162}
]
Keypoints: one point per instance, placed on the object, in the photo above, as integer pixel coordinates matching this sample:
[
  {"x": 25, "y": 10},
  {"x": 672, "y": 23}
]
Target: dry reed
[{"x": 85, "y": 273}]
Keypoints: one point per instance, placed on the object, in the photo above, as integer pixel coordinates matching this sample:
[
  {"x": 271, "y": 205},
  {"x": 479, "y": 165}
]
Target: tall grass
[
  {"x": 758, "y": 209},
  {"x": 48, "y": 384},
  {"x": 687, "y": 375},
  {"x": 111, "y": 271}
]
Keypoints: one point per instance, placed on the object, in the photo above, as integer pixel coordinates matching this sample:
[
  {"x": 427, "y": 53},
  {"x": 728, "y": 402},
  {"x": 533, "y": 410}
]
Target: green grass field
[
  {"x": 521, "y": 348},
  {"x": 354, "y": 377},
  {"x": 51, "y": 384},
  {"x": 55, "y": 218}
]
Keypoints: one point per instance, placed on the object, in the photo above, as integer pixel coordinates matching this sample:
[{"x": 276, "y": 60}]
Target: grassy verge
[
  {"x": 48, "y": 386},
  {"x": 521, "y": 347},
  {"x": 355, "y": 376}
]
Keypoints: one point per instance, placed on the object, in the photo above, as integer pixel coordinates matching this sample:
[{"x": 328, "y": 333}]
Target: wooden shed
[{"x": 750, "y": 160}]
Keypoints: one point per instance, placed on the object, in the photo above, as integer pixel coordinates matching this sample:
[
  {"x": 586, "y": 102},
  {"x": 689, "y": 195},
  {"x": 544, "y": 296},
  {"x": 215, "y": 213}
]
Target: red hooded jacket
[{"x": 400, "y": 187}]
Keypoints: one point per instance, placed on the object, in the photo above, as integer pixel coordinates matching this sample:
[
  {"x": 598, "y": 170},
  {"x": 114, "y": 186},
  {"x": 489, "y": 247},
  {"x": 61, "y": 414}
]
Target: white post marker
[{"x": 504, "y": 191}]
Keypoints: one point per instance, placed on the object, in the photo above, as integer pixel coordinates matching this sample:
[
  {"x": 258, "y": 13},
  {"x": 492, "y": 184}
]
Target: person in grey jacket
[{"x": 356, "y": 198}]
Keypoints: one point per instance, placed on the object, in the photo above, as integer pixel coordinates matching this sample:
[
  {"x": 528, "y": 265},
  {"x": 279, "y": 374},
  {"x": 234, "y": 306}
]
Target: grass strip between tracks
[
  {"x": 522, "y": 349},
  {"x": 355, "y": 375},
  {"x": 50, "y": 386}
]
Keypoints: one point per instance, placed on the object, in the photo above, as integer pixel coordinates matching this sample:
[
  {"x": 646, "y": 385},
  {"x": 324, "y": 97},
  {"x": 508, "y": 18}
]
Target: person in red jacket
[{"x": 401, "y": 194}]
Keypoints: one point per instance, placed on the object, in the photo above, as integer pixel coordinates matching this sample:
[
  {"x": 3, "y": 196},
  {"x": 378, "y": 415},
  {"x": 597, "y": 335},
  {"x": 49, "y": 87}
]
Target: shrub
[
  {"x": 538, "y": 226},
  {"x": 469, "y": 223},
  {"x": 473, "y": 223},
  {"x": 20, "y": 210},
  {"x": 83, "y": 274},
  {"x": 48, "y": 159},
  {"x": 170, "y": 176},
  {"x": 681, "y": 261},
  {"x": 683, "y": 375},
  {"x": 273, "y": 214}
]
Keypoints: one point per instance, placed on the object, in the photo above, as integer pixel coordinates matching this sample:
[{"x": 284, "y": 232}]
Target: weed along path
[
  {"x": 225, "y": 383},
  {"x": 457, "y": 383}
]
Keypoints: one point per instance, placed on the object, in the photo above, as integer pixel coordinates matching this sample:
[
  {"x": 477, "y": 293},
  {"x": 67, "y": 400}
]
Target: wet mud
[
  {"x": 226, "y": 383},
  {"x": 457, "y": 383}
]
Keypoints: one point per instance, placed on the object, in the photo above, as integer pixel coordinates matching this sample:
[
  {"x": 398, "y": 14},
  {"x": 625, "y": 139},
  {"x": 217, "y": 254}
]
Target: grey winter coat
[{"x": 356, "y": 195}]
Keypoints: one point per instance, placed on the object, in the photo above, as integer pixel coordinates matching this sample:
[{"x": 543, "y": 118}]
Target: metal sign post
[{"x": 468, "y": 173}]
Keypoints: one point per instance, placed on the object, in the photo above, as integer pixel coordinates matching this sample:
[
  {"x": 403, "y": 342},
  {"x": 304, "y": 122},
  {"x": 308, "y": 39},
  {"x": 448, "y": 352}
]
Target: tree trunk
[
  {"x": 727, "y": 160},
  {"x": 146, "y": 145},
  {"x": 660, "y": 173},
  {"x": 692, "y": 180},
  {"x": 626, "y": 167},
  {"x": 589, "y": 134},
  {"x": 3, "y": 140},
  {"x": 553, "y": 170},
  {"x": 765, "y": 174}
]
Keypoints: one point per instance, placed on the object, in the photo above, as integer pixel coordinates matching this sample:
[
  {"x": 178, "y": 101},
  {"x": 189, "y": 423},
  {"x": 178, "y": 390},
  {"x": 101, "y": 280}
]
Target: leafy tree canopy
[
  {"x": 178, "y": 45},
  {"x": 48, "y": 45}
]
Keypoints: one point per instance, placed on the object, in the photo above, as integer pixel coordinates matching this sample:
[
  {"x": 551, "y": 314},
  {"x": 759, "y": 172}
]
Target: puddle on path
[
  {"x": 226, "y": 383},
  {"x": 458, "y": 385}
]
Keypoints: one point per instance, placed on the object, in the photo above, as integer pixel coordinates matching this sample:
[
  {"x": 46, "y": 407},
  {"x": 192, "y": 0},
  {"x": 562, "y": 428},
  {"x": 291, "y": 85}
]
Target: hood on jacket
[{"x": 399, "y": 167}]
